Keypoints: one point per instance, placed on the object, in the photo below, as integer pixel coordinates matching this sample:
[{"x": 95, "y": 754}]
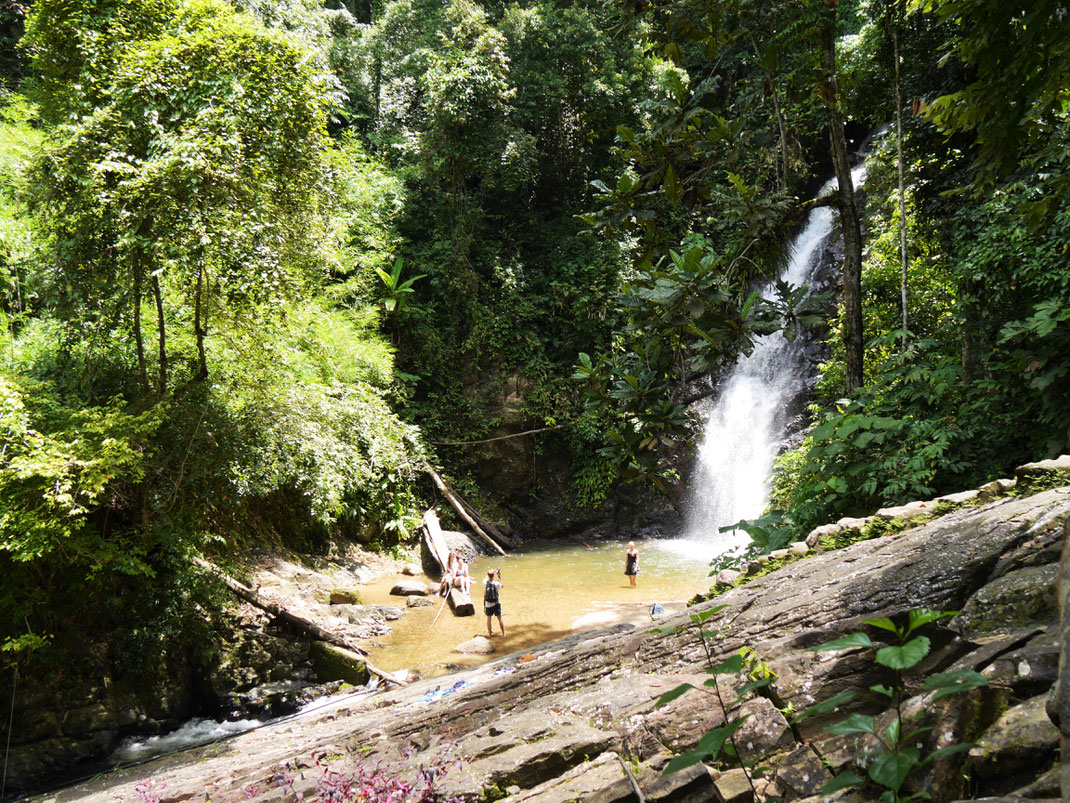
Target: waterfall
[{"x": 745, "y": 426}]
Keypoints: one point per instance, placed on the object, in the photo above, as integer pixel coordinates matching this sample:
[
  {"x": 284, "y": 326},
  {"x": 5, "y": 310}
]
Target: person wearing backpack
[{"x": 492, "y": 599}]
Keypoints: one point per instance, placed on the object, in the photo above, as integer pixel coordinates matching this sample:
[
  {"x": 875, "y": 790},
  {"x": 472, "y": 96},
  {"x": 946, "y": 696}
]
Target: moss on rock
[
  {"x": 335, "y": 663},
  {"x": 1019, "y": 599},
  {"x": 1032, "y": 478}
]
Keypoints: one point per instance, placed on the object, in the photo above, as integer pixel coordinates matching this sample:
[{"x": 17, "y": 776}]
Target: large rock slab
[
  {"x": 764, "y": 731},
  {"x": 1044, "y": 474},
  {"x": 1058, "y": 705},
  {"x": 526, "y": 764},
  {"x": 1022, "y": 738},
  {"x": 1010, "y": 602}
]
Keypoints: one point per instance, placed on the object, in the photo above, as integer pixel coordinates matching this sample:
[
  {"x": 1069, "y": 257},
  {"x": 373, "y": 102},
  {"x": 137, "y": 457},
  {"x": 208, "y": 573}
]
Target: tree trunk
[
  {"x": 200, "y": 325},
  {"x": 783, "y": 134},
  {"x": 781, "y": 126},
  {"x": 451, "y": 497},
  {"x": 849, "y": 216},
  {"x": 377, "y": 81},
  {"x": 894, "y": 25},
  {"x": 142, "y": 369},
  {"x": 162, "y": 335}
]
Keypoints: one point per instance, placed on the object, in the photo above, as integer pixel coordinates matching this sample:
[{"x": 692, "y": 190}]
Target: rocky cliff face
[{"x": 578, "y": 719}]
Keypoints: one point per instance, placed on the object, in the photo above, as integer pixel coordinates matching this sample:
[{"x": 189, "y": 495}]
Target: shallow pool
[{"x": 551, "y": 589}]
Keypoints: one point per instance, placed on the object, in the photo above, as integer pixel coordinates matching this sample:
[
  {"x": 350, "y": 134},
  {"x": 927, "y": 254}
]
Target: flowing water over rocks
[{"x": 745, "y": 427}]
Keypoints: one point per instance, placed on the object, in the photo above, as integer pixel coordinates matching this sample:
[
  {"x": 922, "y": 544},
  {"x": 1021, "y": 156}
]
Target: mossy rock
[
  {"x": 1032, "y": 478},
  {"x": 341, "y": 596},
  {"x": 335, "y": 663},
  {"x": 841, "y": 538},
  {"x": 1018, "y": 599}
]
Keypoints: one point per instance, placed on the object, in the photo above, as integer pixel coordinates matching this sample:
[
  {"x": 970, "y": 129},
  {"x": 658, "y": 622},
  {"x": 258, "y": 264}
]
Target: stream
[{"x": 552, "y": 589}]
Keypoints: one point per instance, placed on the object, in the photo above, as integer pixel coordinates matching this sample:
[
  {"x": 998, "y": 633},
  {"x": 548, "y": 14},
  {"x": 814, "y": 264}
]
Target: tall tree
[
  {"x": 893, "y": 19},
  {"x": 198, "y": 173},
  {"x": 850, "y": 219}
]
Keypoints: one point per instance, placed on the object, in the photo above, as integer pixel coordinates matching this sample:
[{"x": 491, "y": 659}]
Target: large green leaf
[
  {"x": 702, "y": 616},
  {"x": 891, "y": 769},
  {"x": 841, "y": 781},
  {"x": 883, "y": 622},
  {"x": 669, "y": 696},
  {"x": 713, "y": 740},
  {"x": 684, "y": 761},
  {"x": 856, "y": 723},
  {"x": 730, "y": 666},
  {"x": 905, "y": 656},
  {"x": 845, "y": 643},
  {"x": 825, "y": 706},
  {"x": 953, "y": 682},
  {"x": 923, "y": 616},
  {"x": 757, "y": 684}
]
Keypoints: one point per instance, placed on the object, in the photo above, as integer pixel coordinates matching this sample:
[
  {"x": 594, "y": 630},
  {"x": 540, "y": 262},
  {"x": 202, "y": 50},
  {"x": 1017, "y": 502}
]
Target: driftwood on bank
[
  {"x": 456, "y": 504},
  {"x": 460, "y": 602},
  {"x": 298, "y": 622},
  {"x": 436, "y": 543}
]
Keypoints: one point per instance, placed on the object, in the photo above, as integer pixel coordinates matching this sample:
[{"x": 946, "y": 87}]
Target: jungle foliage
[
  {"x": 257, "y": 258},
  {"x": 975, "y": 387},
  {"x": 177, "y": 376}
]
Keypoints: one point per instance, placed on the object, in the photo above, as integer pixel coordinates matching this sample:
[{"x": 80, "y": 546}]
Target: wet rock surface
[{"x": 554, "y": 727}]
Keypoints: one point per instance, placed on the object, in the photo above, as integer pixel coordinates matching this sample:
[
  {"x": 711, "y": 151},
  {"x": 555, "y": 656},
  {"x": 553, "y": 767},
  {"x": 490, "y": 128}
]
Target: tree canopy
[{"x": 260, "y": 259}]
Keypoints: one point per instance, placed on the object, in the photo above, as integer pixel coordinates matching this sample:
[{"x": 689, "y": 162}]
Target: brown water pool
[{"x": 551, "y": 589}]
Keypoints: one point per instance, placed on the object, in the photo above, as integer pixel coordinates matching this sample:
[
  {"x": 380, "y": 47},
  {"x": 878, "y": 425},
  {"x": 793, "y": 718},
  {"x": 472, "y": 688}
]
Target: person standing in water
[
  {"x": 631, "y": 562},
  {"x": 492, "y": 599}
]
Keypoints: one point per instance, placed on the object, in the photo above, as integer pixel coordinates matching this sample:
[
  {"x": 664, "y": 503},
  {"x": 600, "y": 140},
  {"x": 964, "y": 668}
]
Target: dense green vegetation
[{"x": 260, "y": 258}]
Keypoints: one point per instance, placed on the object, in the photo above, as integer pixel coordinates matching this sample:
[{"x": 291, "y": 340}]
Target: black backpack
[{"x": 490, "y": 593}]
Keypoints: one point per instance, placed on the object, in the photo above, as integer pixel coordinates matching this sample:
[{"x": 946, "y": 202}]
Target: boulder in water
[
  {"x": 408, "y": 588},
  {"x": 340, "y": 596},
  {"x": 480, "y": 645}
]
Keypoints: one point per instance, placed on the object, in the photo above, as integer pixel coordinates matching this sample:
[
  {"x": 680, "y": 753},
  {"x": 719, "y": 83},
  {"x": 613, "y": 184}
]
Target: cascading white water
[{"x": 745, "y": 426}]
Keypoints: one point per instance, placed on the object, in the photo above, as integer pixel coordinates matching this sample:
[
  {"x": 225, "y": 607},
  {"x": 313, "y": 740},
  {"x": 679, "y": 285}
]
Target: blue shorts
[{"x": 493, "y": 610}]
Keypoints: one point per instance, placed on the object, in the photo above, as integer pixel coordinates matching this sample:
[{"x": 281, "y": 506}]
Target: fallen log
[
  {"x": 455, "y": 503},
  {"x": 300, "y": 623},
  {"x": 461, "y": 603},
  {"x": 436, "y": 544},
  {"x": 485, "y": 523}
]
